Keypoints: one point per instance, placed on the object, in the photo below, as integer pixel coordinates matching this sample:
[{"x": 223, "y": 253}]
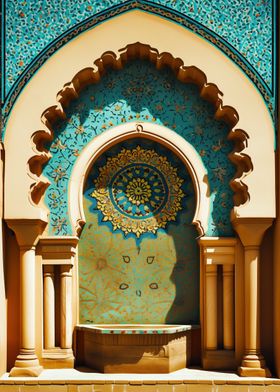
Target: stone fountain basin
[{"x": 133, "y": 348}]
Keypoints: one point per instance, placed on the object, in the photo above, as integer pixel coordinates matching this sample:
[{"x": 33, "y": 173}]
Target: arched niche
[
  {"x": 154, "y": 132},
  {"x": 139, "y": 259}
]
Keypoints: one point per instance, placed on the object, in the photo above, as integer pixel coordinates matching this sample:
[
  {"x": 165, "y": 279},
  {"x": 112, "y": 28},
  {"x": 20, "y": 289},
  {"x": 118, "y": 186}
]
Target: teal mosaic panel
[
  {"x": 155, "y": 280},
  {"x": 32, "y": 31},
  {"x": 139, "y": 92}
]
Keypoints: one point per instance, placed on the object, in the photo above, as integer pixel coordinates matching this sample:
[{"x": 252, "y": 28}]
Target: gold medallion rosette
[{"x": 138, "y": 191}]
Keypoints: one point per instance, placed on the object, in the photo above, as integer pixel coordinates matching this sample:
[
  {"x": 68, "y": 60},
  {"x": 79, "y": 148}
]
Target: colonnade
[
  {"x": 57, "y": 254},
  {"x": 65, "y": 289},
  {"x": 218, "y": 285},
  {"x": 218, "y": 275}
]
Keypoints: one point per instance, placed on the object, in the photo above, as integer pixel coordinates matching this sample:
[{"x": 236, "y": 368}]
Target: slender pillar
[
  {"x": 27, "y": 363},
  {"x": 49, "y": 307},
  {"x": 228, "y": 306},
  {"x": 211, "y": 307},
  {"x": 27, "y": 232},
  {"x": 66, "y": 306},
  {"x": 251, "y": 232}
]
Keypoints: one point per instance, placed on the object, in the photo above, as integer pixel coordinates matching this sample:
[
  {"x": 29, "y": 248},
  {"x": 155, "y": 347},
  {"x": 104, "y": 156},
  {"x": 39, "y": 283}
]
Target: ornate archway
[{"x": 207, "y": 91}]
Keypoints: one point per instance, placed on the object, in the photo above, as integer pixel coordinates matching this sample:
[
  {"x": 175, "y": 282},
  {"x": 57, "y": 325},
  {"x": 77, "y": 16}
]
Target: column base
[
  {"x": 26, "y": 366},
  {"x": 253, "y": 366},
  {"x": 58, "y": 358}
]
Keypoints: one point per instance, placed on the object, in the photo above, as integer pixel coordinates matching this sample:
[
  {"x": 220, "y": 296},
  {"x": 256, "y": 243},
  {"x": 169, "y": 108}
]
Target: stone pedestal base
[
  {"x": 26, "y": 366},
  {"x": 253, "y": 366},
  {"x": 219, "y": 360},
  {"x": 58, "y": 358}
]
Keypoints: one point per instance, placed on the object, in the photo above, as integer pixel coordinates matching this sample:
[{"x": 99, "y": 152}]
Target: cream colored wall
[{"x": 40, "y": 92}]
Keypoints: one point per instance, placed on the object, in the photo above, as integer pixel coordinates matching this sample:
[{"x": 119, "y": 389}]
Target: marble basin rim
[{"x": 137, "y": 328}]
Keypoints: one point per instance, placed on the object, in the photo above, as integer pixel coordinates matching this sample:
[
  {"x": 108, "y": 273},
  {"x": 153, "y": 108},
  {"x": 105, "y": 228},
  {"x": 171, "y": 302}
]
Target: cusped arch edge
[{"x": 185, "y": 74}]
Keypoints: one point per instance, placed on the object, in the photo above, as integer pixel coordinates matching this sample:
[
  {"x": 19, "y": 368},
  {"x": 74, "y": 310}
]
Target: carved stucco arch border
[
  {"x": 186, "y": 74},
  {"x": 157, "y": 133}
]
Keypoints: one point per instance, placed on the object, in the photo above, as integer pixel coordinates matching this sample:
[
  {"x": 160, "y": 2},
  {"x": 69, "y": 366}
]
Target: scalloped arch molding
[
  {"x": 78, "y": 55},
  {"x": 156, "y": 96},
  {"x": 231, "y": 26}
]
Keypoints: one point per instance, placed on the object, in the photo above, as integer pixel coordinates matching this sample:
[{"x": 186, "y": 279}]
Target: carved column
[
  {"x": 251, "y": 231},
  {"x": 211, "y": 307},
  {"x": 59, "y": 252},
  {"x": 228, "y": 306},
  {"x": 66, "y": 306},
  {"x": 27, "y": 234},
  {"x": 217, "y": 255},
  {"x": 49, "y": 307}
]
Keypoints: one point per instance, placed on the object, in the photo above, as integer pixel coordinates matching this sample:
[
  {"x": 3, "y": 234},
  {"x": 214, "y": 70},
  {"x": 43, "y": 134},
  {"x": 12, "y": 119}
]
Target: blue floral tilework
[
  {"x": 139, "y": 92},
  {"x": 246, "y": 25}
]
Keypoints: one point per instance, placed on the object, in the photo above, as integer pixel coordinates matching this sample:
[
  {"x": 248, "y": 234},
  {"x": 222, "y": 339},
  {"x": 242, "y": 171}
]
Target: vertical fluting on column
[
  {"x": 66, "y": 306},
  {"x": 49, "y": 307},
  {"x": 228, "y": 306},
  {"x": 211, "y": 307}
]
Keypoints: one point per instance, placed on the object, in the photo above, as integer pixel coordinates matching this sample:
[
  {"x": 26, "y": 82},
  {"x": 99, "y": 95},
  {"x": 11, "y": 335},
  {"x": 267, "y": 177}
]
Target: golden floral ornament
[{"x": 138, "y": 191}]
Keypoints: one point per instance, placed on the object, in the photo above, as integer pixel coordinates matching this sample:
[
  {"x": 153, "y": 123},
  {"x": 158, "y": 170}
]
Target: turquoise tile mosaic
[
  {"x": 139, "y": 92},
  {"x": 33, "y": 29}
]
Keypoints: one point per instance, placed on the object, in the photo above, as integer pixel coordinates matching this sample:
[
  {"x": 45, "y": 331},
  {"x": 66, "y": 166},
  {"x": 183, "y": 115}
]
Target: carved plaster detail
[{"x": 110, "y": 60}]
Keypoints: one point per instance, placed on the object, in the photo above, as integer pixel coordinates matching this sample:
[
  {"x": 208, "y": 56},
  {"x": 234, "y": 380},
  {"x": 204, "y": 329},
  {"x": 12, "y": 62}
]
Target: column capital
[
  {"x": 27, "y": 231},
  {"x": 251, "y": 230},
  {"x": 58, "y": 250}
]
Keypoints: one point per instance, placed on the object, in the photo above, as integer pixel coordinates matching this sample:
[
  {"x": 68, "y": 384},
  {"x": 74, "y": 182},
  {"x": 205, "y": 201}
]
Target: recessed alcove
[{"x": 138, "y": 261}]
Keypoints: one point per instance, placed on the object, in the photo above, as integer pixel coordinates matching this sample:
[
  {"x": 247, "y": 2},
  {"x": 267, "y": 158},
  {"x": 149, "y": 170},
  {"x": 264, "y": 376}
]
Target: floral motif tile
[
  {"x": 139, "y": 92},
  {"x": 245, "y": 26}
]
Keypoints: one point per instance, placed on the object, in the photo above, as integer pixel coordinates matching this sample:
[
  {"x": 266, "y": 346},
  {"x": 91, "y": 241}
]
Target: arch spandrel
[{"x": 194, "y": 51}]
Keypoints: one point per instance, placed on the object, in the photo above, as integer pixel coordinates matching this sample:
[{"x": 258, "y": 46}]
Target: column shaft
[
  {"x": 253, "y": 363},
  {"x": 66, "y": 306},
  {"x": 49, "y": 307},
  {"x": 211, "y": 307},
  {"x": 27, "y": 298},
  {"x": 27, "y": 363},
  {"x": 252, "y": 301},
  {"x": 228, "y": 306}
]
